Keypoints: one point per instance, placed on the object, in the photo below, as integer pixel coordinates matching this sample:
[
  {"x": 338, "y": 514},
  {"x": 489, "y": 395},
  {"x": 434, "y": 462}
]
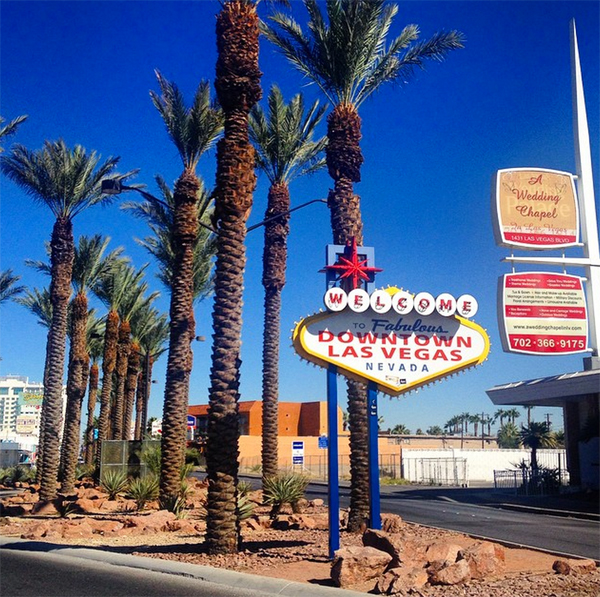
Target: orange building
[{"x": 307, "y": 419}]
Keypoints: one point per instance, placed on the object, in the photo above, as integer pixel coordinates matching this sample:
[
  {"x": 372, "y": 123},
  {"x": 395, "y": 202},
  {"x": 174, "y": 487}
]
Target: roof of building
[{"x": 548, "y": 391}]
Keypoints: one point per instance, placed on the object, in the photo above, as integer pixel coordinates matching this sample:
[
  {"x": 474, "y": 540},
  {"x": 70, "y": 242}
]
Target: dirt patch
[{"x": 295, "y": 554}]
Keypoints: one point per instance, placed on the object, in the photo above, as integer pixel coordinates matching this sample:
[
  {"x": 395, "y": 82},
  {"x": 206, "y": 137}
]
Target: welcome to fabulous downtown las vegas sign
[{"x": 391, "y": 337}]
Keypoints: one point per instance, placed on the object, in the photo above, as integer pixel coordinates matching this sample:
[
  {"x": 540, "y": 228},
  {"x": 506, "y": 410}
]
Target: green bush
[
  {"x": 83, "y": 471},
  {"x": 151, "y": 458},
  {"x": 143, "y": 490},
  {"x": 194, "y": 457},
  {"x": 114, "y": 483},
  {"x": 285, "y": 488}
]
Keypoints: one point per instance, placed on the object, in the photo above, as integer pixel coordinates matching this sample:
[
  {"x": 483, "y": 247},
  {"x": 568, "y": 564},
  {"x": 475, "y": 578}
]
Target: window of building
[
  {"x": 17, "y": 391},
  {"x": 3, "y": 391}
]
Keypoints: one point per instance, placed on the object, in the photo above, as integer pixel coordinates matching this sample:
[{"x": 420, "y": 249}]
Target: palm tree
[
  {"x": 38, "y": 302},
  {"x": 8, "y": 287},
  {"x": 285, "y": 150},
  {"x": 94, "y": 346},
  {"x": 475, "y": 419},
  {"x": 133, "y": 301},
  {"x": 237, "y": 83},
  {"x": 159, "y": 215},
  {"x": 193, "y": 131},
  {"x": 347, "y": 57},
  {"x": 10, "y": 128},
  {"x": 67, "y": 181},
  {"x": 508, "y": 436},
  {"x": 535, "y": 436},
  {"x": 112, "y": 290},
  {"x": 512, "y": 414},
  {"x": 434, "y": 430},
  {"x": 152, "y": 345},
  {"x": 401, "y": 429},
  {"x": 500, "y": 414},
  {"x": 89, "y": 264},
  {"x": 528, "y": 408},
  {"x": 142, "y": 321}
]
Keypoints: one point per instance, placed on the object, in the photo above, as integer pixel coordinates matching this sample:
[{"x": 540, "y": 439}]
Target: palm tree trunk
[
  {"x": 123, "y": 350},
  {"x": 76, "y": 386},
  {"x": 61, "y": 257},
  {"x": 109, "y": 360},
  {"x": 344, "y": 159},
  {"x": 179, "y": 364},
  {"x": 89, "y": 429},
  {"x": 237, "y": 83},
  {"x": 133, "y": 370},
  {"x": 274, "y": 268}
]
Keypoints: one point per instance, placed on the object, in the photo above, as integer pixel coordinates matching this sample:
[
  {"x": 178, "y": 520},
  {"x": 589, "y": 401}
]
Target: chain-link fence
[
  {"x": 437, "y": 471},
  {"x": 126, "y": 456}
]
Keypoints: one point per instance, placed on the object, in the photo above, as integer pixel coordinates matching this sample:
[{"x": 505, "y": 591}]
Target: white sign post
[{"x": 587, "y": 210}]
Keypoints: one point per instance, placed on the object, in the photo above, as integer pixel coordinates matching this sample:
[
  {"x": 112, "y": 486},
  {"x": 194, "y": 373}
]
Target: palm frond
[
  {"x": 38, "y": 302},
  {"x": 193, "y": 130},
  {"x": 66, "y": 180},
  {"x": 283, "y": 138},
  {"x": 344, "y": 51},
  {"x": 8, "y": 287},
  {"x": 10, "y": 128}
]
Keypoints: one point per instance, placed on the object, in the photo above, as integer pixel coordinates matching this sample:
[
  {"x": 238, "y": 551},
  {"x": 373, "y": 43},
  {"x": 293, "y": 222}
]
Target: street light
[{"x": 112, "y": 186}]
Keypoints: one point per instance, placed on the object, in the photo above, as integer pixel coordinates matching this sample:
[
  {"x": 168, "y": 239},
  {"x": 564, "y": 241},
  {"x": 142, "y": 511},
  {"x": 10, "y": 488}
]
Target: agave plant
[
  {"x": 285, "y": 488},
  {"x": 143, "y": 490},
  {"x": 114, "y": 483}
]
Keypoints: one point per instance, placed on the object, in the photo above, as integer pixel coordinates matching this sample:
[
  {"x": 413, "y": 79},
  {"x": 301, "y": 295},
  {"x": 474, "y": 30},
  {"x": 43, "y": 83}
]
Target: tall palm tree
[
  {"x": 8, "y": 285},
  {"x": 476, "y": 419},
  {"x": 10, "y": 128},
  {"x": 237, "y": 84},
  {"x": 527, "y": 408},
  {"x": 347, "y": 56},
  {"x": 141, "y": 322},
  {"x": 193, "y": 131},
  {"x": 159, "y": 215},
  {"x": 512, "y": 414},
  {"x": 152, "y": 345},
  {"x": 134, "y": 300},
  {"x": 91, "y": 263},
  {"x": 94, "y": 345},
  {"x": 39, "y": 304},
  {"x": 112, "y": 290},
  {"x": 536, "y": 436},
  {"x": 67, "y": 181},
  {"x": 501, "y": 415},
  {"x": 285, "y": 150}
]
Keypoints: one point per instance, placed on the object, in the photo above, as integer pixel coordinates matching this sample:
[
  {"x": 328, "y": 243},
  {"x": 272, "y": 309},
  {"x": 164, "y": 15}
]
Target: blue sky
[{"x": 82, "y": 71}]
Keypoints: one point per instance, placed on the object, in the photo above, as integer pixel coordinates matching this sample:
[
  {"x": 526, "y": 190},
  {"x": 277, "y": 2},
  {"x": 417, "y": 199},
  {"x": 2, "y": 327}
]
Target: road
[{"x": 569, "y": 536}]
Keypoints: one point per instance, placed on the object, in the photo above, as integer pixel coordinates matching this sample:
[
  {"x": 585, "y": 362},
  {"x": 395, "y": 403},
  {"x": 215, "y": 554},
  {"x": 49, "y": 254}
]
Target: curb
[
  {"x": 549, "y": 511},
  {"x": 266, "y": 586}
]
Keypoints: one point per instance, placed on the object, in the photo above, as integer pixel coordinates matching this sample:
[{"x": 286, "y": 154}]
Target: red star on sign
[{"x": 352, "y": 270}]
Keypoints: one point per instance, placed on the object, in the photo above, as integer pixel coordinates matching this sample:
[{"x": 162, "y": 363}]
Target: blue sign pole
[
  {"x": 375, "y": 522},
  {"x": 332, "y": 462}
]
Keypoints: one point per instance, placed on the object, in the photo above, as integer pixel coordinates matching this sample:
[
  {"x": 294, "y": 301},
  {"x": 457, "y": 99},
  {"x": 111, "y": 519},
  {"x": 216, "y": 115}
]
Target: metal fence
[
  {"x": 436, "y": 471},
  {"x": 315, "y": 466},
  {"x": 125, "y": 456},
  {"x": 548, "y": 479}
]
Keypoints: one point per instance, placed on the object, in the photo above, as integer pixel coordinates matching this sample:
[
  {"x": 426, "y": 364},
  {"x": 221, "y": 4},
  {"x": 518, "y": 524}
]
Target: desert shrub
[
  {"x": 85, "y": 471},
  {"x": 114, "y": 483},
  {"x": 244, "y": 488},
  {"x": 245, "y": 506},
  {"x": 143, "y": 490},
  {"x": 285, "y": 488}
]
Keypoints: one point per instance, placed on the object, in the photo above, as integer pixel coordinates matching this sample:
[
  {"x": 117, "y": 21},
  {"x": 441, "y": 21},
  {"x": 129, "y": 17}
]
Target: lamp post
[{"x": 111, "y": 186}]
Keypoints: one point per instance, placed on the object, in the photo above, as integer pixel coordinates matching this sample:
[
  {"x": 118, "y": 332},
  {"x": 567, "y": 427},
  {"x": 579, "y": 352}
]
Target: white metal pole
[{"x": 585, "y": 191}]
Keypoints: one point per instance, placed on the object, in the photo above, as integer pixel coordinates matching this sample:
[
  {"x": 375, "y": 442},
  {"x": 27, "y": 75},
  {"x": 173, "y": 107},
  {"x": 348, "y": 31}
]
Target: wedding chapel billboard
[
  {"x": 535, "y": 208},
  {"x": 542, "y": 313}
]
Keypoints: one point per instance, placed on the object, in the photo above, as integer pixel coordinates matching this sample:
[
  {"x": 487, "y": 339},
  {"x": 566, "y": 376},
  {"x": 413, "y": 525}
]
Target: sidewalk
[{"x": 236, "y": 580}]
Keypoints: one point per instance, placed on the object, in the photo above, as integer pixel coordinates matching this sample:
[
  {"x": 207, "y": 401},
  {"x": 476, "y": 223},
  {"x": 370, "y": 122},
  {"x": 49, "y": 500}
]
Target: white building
[{"x": 21, "y": 409}]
